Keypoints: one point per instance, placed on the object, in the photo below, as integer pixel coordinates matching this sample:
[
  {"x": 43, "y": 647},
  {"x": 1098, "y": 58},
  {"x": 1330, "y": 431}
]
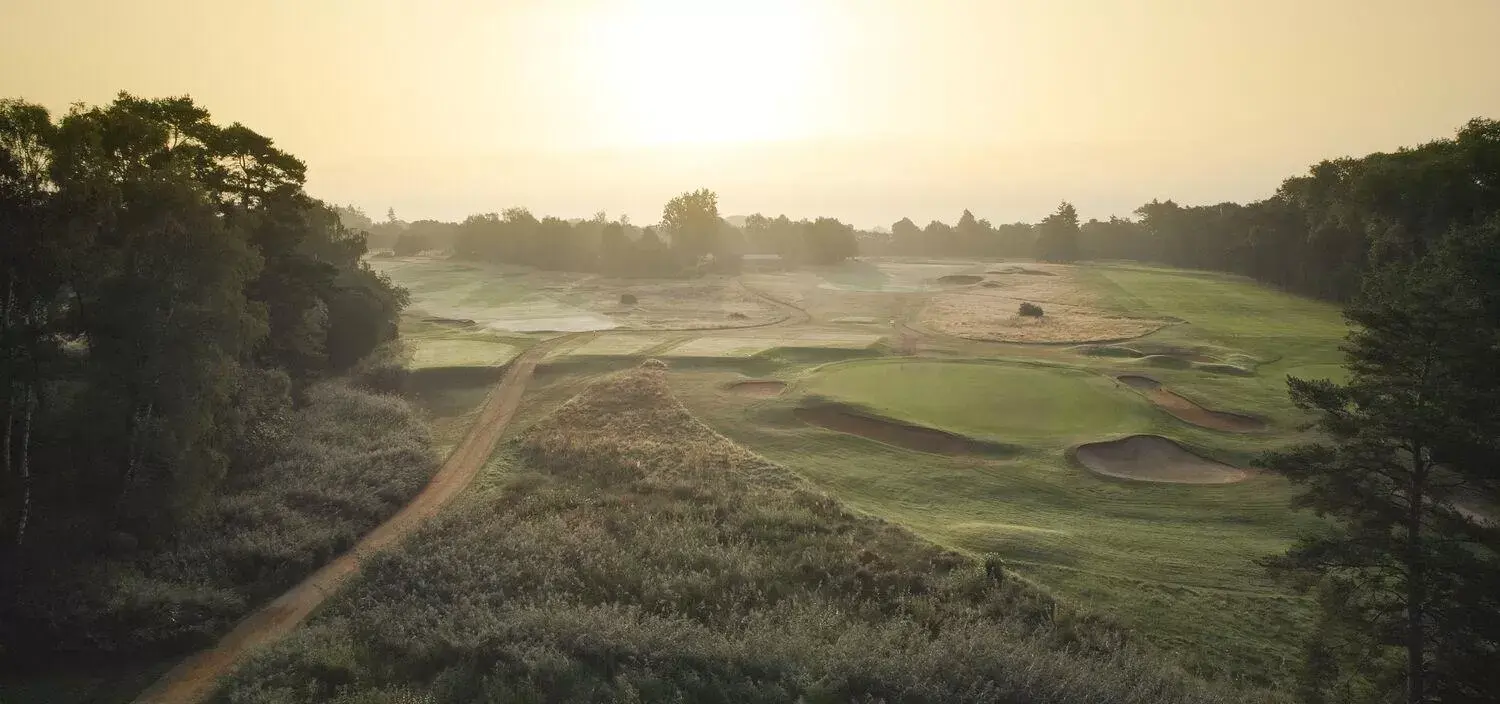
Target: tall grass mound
[{"x": 630, "y": 553}]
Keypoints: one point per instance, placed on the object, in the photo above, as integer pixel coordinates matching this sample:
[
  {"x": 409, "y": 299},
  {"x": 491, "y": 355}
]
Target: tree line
[
  {"x": 167, "y": 289},
  {"x": 691, "y": 238}
]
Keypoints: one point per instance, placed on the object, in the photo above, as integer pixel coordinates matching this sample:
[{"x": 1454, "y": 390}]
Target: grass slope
[
  {"x": 624, "y": 551},
  {"x": 1009, "y": 403},
  {"x": 1174, "y": 563}
]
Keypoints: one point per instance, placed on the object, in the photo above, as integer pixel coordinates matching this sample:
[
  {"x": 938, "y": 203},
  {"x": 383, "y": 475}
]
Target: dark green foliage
[
  {"x": 1057, "y": 235},
  {"x": 630, "y": 553},
  {"x": 820, "y": 242},
  {"x": 691, "y": 220},
  {"x": 628, "y": 299},
  {"x": 1413, "y": 432},
  {"x": 410, "y": 243},
  {"x": 325, "y": 475},
  {"x": 167, "y": 290},
  {"x": 1030, "y": 310}
]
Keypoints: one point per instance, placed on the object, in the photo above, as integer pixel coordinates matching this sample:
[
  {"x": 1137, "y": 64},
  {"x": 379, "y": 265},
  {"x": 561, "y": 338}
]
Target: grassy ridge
[{"x": 623, "y": 551}]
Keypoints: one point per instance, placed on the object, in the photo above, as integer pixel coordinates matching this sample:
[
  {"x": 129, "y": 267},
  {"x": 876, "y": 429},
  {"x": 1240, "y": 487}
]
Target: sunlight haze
[{"x": 868, "y": 110}]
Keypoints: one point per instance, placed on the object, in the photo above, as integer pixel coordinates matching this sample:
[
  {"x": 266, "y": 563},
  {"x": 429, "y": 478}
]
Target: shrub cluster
[{"x": 341, "y": 464}]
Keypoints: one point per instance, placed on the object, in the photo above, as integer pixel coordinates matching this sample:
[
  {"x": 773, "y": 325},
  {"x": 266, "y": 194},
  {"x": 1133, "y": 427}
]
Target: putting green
[{"x": 1005, "y": 402}]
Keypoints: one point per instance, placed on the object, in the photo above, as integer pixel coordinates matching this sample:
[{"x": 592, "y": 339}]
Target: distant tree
[
  {"x": 906, "y": 237},
  {"x": 1415, "y": 428},
  {"x": 1116, "y": 238},
  {"x": 758, "y": 240},
  {"x": 616, "y": 251},
  {"x": 351, "y": 217},
  {"x": 828, "y": 241},
  {"x": 1057, "y": 235},
  {"x": 411, "y": 243},
  {"x": 692, "y": 222},
  {"x": 1015, "y": 240},
  {"x": 973, "y": 236},
  {"x": 937, "y": 238}
]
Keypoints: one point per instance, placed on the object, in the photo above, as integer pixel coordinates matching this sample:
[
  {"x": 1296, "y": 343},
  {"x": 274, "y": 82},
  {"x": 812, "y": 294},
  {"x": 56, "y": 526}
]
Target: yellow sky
[{"x": 866, "y": 110}]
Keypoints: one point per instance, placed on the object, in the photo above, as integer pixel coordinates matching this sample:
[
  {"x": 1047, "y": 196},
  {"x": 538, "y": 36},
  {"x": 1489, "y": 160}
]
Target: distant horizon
[
  {"x": 1093, "y": 203},
  {"x": 865, "y": 110}
]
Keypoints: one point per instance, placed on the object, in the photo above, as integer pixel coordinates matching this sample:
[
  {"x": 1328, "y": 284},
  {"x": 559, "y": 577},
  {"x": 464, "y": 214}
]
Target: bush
[
  {"x": 628, "y": 299},
  {"x": 345, "y": 462},
  {"x": 1031, "y": 310}
]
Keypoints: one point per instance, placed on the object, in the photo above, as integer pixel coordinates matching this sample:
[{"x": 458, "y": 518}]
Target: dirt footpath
[{"x": 192, "y": 680}]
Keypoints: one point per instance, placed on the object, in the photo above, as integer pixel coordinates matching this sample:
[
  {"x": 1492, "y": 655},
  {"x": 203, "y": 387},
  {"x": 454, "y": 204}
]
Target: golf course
[{"x": 1114, "y": 473}]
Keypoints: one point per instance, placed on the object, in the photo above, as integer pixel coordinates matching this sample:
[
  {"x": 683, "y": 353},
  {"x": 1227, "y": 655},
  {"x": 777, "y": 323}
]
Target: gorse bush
[
  {"x": 630, "y": 553},
  {"x": 345, "y": 462},
  {"x": 1031, "y": 310}
]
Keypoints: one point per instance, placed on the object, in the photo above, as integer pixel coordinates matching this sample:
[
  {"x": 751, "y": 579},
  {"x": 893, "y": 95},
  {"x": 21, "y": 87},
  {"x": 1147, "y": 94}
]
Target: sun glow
[{"x": 689, "y": 71}]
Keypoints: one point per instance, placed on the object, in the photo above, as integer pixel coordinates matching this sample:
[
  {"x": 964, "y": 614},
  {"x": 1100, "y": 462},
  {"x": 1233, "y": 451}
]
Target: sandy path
[{"x": 192, "y": 680}]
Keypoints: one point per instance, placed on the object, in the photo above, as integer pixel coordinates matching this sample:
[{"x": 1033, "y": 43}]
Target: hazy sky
[{"x": 866, "y": 110}]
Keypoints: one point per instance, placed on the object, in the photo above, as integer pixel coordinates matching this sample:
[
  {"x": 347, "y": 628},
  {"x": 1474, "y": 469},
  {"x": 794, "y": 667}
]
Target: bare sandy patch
[
  {"x": 994, "y": 318},
  {"x": 1152, "y": 458},
  {"x": 1190, "y": 412}
]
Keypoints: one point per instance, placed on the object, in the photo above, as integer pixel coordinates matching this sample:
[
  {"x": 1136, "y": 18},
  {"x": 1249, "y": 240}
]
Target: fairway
[
  {"x": 435, "y": 353},
  {"x": 1005, "y": 402}
]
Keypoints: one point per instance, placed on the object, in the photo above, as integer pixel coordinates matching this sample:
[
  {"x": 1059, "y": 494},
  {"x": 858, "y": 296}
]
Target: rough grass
[
  {"x": 626, "y": 552},
  {"x": 981, "y": 316},
  {"x": 353, "y": 459}
]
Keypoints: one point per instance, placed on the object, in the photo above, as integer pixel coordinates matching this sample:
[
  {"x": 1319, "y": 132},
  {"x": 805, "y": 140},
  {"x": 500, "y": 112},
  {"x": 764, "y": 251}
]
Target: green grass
[
  {"x": 1174, "y": 563},
  {"x": 620, "y": 550},
  {"x": 1010, "y": 403},
  {"x": 440, "y": 352}
]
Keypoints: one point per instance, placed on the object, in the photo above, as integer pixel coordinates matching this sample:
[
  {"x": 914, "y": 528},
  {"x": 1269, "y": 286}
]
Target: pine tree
[
  {"x": 1412, "y": 434},
  {"x": 1057, "y": 235}
]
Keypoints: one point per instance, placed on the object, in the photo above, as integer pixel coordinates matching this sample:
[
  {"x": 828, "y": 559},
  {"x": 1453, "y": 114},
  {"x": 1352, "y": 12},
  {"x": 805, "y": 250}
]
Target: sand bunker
[
  {"x": 892, "y": 432},
  {"x": 758, "y": 388},
  {"x": 960, "y": 279},
  {"x": 1190, "y": 412},
  {"x": 1152, "y": 458}
]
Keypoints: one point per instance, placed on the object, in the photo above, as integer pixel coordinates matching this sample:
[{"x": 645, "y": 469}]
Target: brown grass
[
  {"x": 1073, "y": 313},
  {"x": 978, "y": 316}
]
